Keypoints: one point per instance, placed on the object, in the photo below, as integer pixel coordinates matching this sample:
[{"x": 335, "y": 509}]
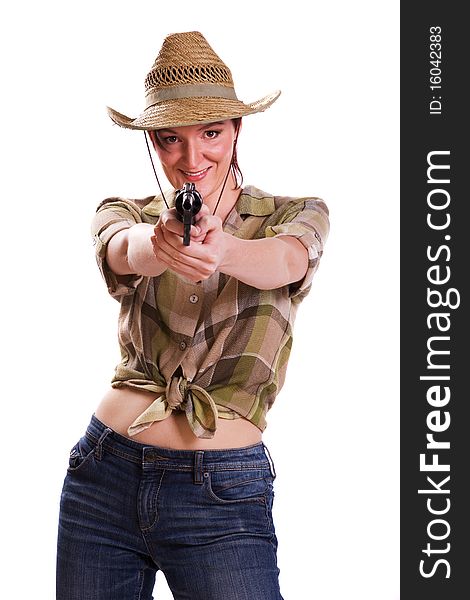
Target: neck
[{"x": 222, "y": 202}]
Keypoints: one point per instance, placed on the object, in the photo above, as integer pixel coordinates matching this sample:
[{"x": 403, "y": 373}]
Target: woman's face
[{"x": 200, "y": 154}]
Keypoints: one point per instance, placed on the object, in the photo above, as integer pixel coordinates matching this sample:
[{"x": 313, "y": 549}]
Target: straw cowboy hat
[{"x": 189, "y": 84}]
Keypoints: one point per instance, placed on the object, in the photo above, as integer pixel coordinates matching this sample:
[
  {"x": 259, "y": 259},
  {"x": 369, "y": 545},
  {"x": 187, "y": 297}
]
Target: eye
[
  {"x": 170, "y": 139},
  {"x": 212, "y": 134}
]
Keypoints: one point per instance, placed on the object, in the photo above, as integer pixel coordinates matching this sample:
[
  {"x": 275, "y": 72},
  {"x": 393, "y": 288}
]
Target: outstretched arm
[{"x": 131, "y": 250}]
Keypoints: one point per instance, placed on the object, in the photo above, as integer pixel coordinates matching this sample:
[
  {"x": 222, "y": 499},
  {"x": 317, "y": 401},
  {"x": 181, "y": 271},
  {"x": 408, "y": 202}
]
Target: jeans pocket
[
  {"x": 238, "y": 486},
  {"x": 80, "y": 454}
]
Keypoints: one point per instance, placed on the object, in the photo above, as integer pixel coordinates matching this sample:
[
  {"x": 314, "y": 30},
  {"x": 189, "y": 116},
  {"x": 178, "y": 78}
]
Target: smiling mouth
[{"x": 195, "y": 174}]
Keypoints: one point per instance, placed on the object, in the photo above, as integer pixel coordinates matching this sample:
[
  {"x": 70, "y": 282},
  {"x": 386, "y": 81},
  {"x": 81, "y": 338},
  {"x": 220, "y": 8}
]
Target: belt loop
[
  {"x": 99, "y": 446},
  {"x": 198, "y": 456},
  {"x": 271, "y": 462}
]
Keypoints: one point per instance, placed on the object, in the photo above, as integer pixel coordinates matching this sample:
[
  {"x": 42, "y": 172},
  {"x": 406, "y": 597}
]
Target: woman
[{"x": 172, "y": 473}]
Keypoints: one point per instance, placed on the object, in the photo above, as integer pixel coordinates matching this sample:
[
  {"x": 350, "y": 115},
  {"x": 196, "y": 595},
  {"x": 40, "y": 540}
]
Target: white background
[{"x": 333, "y": 431}]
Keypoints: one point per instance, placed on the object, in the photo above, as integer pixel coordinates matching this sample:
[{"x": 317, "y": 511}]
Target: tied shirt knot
[{"x": 182, "y": 395}]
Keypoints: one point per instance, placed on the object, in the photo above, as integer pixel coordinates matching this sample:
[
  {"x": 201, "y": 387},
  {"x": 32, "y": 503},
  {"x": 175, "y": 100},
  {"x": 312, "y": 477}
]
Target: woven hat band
[{"x": 190, "y": 91}]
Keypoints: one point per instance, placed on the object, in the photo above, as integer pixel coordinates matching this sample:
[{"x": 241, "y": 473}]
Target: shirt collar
[
  {"x": 252, "y": 201},
  {"x": 156, "y": 206}
]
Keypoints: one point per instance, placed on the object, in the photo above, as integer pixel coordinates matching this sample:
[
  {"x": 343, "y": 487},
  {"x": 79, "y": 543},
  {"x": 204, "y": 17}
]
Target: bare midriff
[{"x": 121, "y": 406}]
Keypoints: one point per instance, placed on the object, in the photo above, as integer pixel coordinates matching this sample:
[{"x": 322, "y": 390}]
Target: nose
[{"x": 192, "y": 155}]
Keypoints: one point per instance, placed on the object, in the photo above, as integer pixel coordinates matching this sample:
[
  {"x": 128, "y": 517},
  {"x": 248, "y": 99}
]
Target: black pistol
[{"x": 188, "y": 202}]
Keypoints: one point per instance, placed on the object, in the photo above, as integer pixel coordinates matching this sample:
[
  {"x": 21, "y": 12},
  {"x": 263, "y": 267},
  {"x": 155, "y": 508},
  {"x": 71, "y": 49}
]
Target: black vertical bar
[{"x": 435, "y": 268}]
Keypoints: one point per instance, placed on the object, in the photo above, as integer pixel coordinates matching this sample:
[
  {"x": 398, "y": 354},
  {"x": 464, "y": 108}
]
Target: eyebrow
[{"x": 203, "y": 126}]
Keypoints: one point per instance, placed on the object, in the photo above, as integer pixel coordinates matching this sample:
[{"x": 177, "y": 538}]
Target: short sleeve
[
  {"x": 114, "y": 215},
  {"x": 306, "y": 219}
]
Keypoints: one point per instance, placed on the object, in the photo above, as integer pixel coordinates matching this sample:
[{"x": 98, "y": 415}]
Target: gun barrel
[{"x": 188, "y": 202}]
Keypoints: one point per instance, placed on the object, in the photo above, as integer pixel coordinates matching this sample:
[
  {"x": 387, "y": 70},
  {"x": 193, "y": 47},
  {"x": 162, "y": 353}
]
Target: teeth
[{"x": 195, "y": 173}]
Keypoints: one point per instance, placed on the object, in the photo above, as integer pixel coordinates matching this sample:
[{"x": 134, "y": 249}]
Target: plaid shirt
[{"x": 217, "y": 348}]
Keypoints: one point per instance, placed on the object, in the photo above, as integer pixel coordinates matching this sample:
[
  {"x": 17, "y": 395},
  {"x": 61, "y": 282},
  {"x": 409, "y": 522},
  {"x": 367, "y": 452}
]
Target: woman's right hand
[{"x": 169, "y": 223}]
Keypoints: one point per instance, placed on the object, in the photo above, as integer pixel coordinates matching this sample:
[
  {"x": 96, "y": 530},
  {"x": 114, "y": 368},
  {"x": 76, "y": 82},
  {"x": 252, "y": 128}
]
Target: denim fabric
[{"x": 203, "y": 517}]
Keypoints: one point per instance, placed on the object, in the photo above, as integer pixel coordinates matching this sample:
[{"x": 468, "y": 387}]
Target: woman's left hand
[{"x": 205, "y": 253}]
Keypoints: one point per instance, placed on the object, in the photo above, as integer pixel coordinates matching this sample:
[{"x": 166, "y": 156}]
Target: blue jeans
[{"x": 203, "y": 517}]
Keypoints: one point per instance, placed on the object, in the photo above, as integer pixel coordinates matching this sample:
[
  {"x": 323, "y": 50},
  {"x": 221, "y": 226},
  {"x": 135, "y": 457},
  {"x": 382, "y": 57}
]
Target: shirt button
[
  {"x": 193, "y": 298},
  {"x": 183, "y": 345}
]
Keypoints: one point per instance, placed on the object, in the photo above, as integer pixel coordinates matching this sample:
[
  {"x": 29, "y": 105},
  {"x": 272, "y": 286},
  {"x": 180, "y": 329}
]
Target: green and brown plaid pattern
[{"x": 217, "y": 348}]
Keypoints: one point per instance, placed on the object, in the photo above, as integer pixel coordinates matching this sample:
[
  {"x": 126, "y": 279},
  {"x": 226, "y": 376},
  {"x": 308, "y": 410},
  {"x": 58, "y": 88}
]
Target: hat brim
[{"x": 191, "y": 111}]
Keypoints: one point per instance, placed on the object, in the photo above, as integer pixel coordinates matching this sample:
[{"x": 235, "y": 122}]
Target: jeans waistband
[{"x": 106, "y": 439}]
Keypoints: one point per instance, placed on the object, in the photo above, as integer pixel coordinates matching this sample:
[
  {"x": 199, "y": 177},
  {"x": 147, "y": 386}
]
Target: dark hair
[{"x": 234, "y": 166}]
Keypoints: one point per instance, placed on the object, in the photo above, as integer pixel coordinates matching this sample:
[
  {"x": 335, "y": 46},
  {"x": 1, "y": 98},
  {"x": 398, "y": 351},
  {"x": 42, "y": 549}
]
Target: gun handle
[
  {"x": 186, "y": 234},
  {"x": 187, "y": 221}
]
